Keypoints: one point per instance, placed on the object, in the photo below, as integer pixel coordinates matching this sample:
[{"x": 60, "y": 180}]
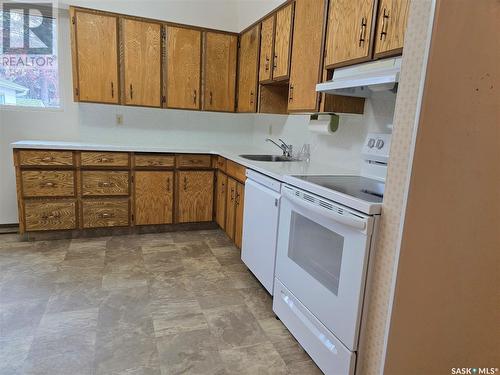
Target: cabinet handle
[
  {"x": 385, "y": 24},
  {"x": 290, "y": 99},
  {"x": 106, "y": 215},
  {"x": 275, "y": 64},
  {"x": 112, "y": 89},
  {"x": 185, "y": 183},
  {"x": 131, "y": 92},
  {"x": 168, "y": 184},
  {"x": 211, "y": 98},
  {"x": 194, "y": 97},
  {"x": 362, "y": 31},
  {"x": 48, "y": 184},
  {"x": 267, "y": 63},
  {"x": 48, "y": 158}
]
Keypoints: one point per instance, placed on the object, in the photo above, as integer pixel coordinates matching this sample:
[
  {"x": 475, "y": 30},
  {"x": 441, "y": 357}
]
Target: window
[{"x": 29, "y": 74}]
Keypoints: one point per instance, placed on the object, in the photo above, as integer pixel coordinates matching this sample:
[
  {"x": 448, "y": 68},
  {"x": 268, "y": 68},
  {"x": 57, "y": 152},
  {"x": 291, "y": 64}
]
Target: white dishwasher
[{"x": 260, "y": 226}]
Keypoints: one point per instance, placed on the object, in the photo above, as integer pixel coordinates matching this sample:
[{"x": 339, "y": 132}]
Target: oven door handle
[{"x": 350, "y": 221}]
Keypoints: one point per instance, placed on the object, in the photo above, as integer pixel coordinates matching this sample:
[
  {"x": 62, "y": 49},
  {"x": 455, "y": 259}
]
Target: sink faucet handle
[{"x": 287, "y": 149}]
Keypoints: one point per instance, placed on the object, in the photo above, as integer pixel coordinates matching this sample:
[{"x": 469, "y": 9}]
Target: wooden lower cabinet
[
  {"x": 100, "y": 213},
  {"x": 238, "y": 217},
  {"x": 154, "y": 197},
  {"x": 220, "y": 199},
  {"x": 195, "y": 191},
  {"x": 50, "y": 215}
]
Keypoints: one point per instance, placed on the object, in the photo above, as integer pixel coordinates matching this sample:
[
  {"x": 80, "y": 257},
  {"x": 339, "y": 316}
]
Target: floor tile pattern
[{"x": 169, "y": 303}]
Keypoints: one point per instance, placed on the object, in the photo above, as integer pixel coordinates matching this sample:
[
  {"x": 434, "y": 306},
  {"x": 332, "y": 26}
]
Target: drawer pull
[
  {"x": 154, "y": 162},
  {"x": 48, "y": 158},
  {"x": 106, "y": 215},
  {"x": 48, "y": 184},
  {"x": 51, "y": 216},
  {"x": 104, "y": 160},
  {"x": 105, "y": 184}
]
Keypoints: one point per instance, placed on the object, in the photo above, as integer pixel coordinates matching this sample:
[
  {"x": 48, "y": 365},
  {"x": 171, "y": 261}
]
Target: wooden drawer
[
  {"x": 50, "y": 215},
  {"x": 45, "y": 158},
  {"x": 48, "y": 183},
  {"x": 151, "y": 160},
  {"x": 105, "y": 213},
  {"x": 105, "y": 183},
  {"x": 236, "y": 171},
  {"x": 221, "y": 163},
  {"x": 104, "y": 159},
  {"x": 193, "y": 161}
]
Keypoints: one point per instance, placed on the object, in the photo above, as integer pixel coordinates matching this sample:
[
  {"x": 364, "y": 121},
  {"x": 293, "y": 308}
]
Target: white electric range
[{"x": 326, "y": 232}]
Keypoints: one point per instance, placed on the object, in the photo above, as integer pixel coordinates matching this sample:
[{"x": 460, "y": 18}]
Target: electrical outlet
[{"x": 119, "y": 119}]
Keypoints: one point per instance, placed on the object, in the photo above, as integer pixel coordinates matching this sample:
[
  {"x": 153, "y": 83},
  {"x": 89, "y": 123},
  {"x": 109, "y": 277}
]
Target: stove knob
[
  {"x": 380, "y": 143},
  {"x": 371, "y": 142}
]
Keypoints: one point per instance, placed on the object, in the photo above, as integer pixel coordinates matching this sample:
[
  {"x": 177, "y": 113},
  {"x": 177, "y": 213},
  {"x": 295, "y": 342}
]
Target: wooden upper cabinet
[
  {"x": 248, "y": 67},
  {"x": 282, "y": 42},
  {"x": 349, "y": 32},
  {"x": 195, "y": 196},
  {"x": 220, "y": 71},
  {"x": 183, "y": 68},
  {"x": 95, "y": 50},
  {"x": 141, "y": 62},
  {"x": 154, "y": 197},
  {"x": 391, "y": 27},
  {"x": 266, "y": 49},
  {"x": 306, "y": 55}
]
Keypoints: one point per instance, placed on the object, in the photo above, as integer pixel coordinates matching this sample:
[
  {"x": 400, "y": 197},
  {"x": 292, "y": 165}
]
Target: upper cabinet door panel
[
  {"x": 282, "y": 44},
  {"x": 97, "y": 56},
  {"x": 266, "y": 49},
  {"x": 306, "y": 55},
  {"x": 391, "y": 27},
  {"x": 248, "y": 67},
  {"x": 142, "y": 62},
  {"x": 220, "y": 71},
  {"x": 349, "y": 31},
  {"x": 183, "y": 67}
]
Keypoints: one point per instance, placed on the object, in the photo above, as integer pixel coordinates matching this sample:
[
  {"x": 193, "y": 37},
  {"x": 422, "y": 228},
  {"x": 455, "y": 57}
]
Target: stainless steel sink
[{"x": 267, "y": 158}]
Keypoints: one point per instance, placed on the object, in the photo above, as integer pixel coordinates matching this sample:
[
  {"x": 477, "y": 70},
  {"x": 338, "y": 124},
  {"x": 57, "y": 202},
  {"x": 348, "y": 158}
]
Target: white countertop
[{"x": 276, "y": 170}]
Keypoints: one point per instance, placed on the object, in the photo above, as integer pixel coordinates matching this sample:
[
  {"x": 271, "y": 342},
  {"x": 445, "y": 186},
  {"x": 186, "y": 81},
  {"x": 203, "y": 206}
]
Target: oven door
[{"x": 322, "y": 258}]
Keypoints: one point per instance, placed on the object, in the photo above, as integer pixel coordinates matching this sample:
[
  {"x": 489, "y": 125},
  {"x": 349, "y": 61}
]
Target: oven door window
[{"x": 317, "y": 250}]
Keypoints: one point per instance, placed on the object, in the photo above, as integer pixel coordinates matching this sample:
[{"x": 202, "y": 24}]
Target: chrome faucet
[{"x": 285, "y": 148}]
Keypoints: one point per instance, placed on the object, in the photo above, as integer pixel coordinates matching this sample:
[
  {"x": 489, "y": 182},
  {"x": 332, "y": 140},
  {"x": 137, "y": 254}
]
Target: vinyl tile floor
[{"x": 169, "y": 303}]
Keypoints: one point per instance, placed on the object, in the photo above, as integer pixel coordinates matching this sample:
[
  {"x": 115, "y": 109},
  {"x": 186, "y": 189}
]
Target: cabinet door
[
  {"x": 220, "y": 206},
  {"x": 96, "y": 47},
  {"x": 248, "y": 68},
  {"x": 282, "y": 43},
  {"x": 142, "y": 62},
  {"x": 154, "y": 197},
  {"x": 349, "y": 32},
  {"x": 220, "y": 71},
  {"x": 391, "y": 27},
  {"x": 183, "y": 68},
  {"x": 306, "y": 55},
  {"x": 230, "y": 207},
  {"x": 238, "y": 219},
  {"x": 266, "y": 49},
  {"x": 195, "y": 196}
]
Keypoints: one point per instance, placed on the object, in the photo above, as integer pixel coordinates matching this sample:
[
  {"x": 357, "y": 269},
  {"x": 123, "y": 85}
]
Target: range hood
[{"x": 363, "y": 79}]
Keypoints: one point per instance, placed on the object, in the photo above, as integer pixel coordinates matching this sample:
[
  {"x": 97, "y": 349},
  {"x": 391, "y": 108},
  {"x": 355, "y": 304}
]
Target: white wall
[{"x": 251, "y": 10}]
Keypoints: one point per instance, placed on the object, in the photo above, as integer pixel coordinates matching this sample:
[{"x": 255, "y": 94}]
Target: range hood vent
[{"x": 363, "y": 79}]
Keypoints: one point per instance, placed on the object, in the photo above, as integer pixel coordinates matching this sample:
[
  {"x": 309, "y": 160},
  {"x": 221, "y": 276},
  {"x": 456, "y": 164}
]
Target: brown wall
[{"x": 446, "y": 310}]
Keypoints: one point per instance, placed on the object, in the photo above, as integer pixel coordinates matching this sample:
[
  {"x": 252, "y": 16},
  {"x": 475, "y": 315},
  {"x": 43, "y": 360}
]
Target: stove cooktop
[{"x": 359, "y": 187}]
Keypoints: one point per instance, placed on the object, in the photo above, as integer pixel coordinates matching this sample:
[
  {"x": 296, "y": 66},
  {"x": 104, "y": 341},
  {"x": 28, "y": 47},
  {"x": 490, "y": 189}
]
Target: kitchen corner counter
[{"x": 276, "y": 170}]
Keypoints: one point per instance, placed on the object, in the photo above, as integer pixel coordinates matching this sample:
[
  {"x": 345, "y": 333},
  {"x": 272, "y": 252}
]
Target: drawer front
[
  {"x": 105, "y": 183},
  {"x": 104, "y": 159},
  {"x": 49, "y": 215},
  {"x": 161, "y": 161},
  {"x": 48, "y": 183},
  {"x": 236, "y": 171},
  {"x": 221, "y": 163},
  {"x": 45, "y": 158},
  {"x": 105, "y": 213},
  {"x": 193, "y": 161}
]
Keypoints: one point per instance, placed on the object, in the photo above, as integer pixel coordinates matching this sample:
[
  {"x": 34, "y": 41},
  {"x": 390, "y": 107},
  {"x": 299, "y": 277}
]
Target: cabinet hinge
[
  {"x": 239, "y": 43},
  {"x": 77, "y": 92},
  {"x": 163, "y": 33},
  {"x": 73, "y": 20},
  {"x": 132, "y": 218},
  {"x": 163, "y": 99},
  {"x": 131, "y": 178}
]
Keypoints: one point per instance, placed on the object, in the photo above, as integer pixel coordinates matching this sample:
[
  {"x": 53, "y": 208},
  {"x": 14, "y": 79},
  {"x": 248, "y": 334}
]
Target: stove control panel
[{"x": 376, "y": 147}]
